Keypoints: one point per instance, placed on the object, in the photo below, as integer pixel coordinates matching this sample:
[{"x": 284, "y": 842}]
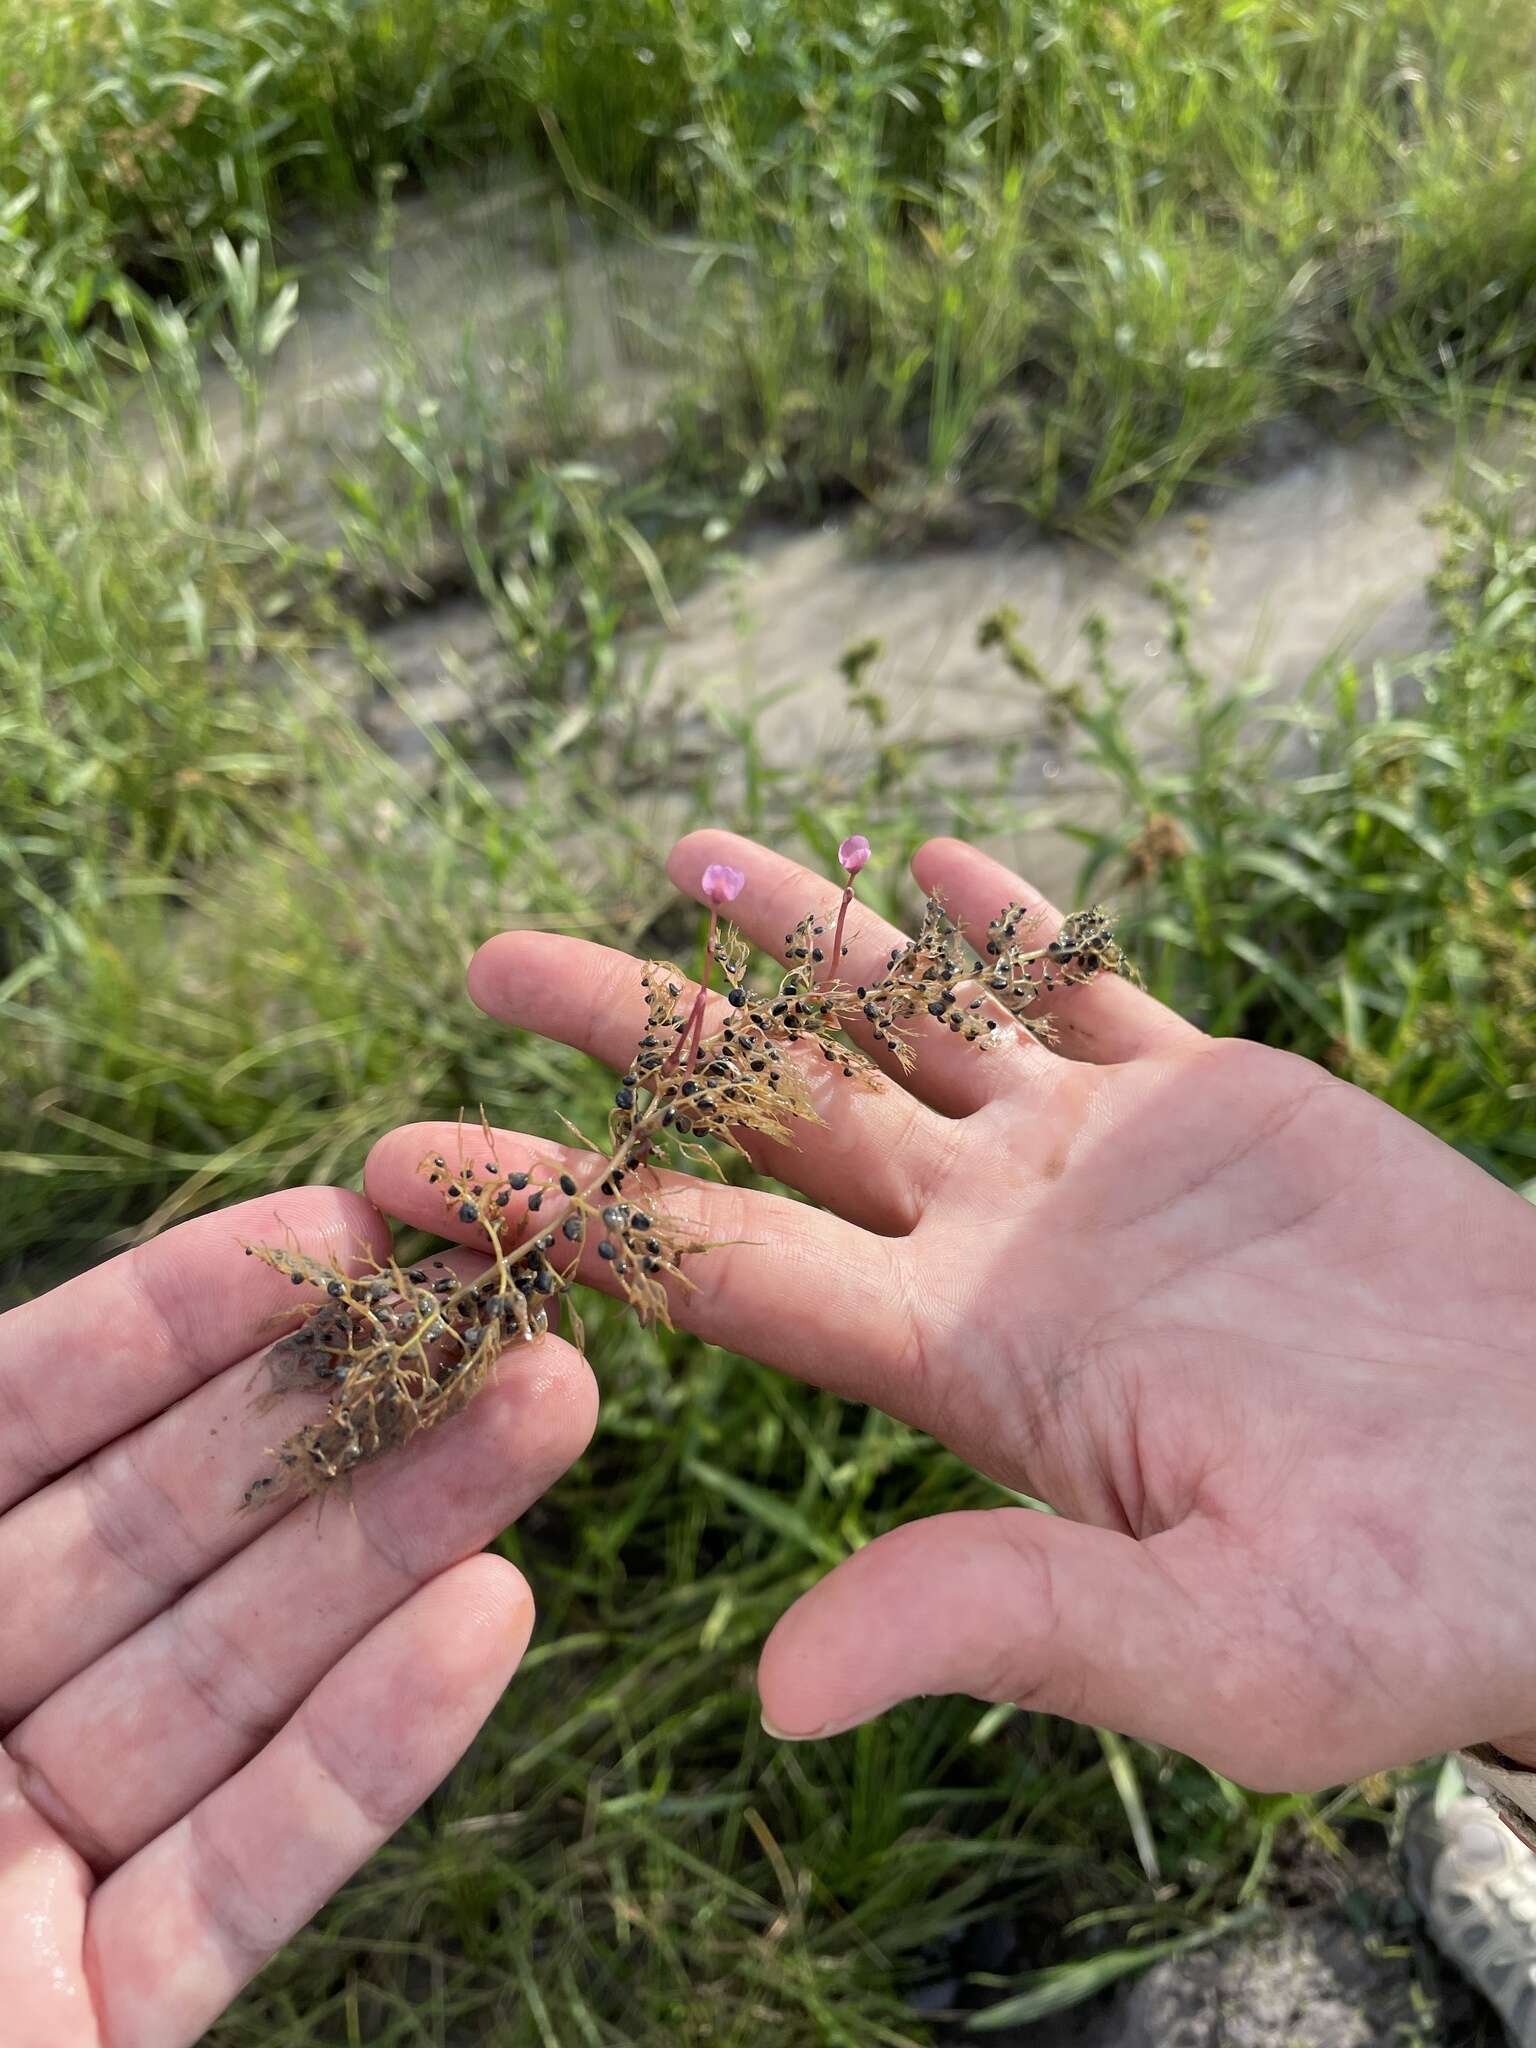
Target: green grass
[
  {"x": 1068, "y": 258},
  {"x": 1071, "y": 256}
]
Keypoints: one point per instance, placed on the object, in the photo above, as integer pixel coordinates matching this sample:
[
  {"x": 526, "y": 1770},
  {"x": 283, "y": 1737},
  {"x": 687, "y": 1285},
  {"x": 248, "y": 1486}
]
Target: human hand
[
  {"x": 1264, "y": 1344},
  {"x": 209, "y": 1720}
]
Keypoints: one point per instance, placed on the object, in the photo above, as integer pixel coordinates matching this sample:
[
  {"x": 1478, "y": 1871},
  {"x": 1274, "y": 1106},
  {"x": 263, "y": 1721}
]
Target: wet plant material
[{"x": 397, "y": 1350}]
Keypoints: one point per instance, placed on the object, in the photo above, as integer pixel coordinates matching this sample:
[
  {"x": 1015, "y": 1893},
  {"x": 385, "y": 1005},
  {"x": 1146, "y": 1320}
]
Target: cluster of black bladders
[{"x": 396, "y": 1351}]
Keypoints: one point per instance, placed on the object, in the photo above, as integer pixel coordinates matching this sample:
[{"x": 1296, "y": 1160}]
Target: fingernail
[{"x": 827, "y": 1728}]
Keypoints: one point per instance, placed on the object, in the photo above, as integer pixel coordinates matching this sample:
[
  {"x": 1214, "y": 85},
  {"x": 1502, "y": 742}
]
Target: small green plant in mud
[{"x": 398, "y": 1350}]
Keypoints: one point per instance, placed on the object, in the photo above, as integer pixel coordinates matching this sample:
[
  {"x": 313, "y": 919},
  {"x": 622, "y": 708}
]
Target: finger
[
  {"x": 1004, "y": 1604},
  {"x": 952, "y": 1076},
  {"x": 786, "y": 1283},
  {"x": 173, "y": 1935},
  {"x": 43, "y": 1891},
  {"x": 202, "y": 1686},
  {"x": 871, "y": 1160},
  {"x": 83, "y": 1364},
  {"x": 1104, "y": 1021},
  {"x": 98, "y": 1551}
]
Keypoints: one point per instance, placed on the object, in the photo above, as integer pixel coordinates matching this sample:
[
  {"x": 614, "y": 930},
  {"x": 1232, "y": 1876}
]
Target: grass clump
[{"x": 131, "y": 722}]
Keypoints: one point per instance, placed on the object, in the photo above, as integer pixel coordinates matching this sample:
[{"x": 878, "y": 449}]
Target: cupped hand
[
  {"x": 209, "y": 1720},
  {"x": 1267, "y": 1347}
]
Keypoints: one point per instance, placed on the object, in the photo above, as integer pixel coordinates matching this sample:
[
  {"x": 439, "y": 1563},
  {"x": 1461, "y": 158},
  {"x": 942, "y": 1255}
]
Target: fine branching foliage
[{"x": 397, "y": 1350}]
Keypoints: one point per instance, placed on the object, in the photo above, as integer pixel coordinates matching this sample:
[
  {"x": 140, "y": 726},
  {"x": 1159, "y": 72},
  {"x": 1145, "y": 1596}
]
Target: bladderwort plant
[{"x": 398, "y": 1350}]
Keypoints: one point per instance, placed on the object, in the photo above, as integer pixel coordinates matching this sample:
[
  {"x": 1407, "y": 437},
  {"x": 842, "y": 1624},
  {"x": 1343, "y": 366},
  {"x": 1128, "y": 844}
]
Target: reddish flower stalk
[
  {"x": 852, "y": 856},
  {"x": 721, "y": 885}
]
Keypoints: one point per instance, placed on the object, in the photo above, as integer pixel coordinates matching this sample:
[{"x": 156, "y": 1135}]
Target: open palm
[
  {"x": 208, "y": 1721},
  {"x": 1265, "y": 1345}
]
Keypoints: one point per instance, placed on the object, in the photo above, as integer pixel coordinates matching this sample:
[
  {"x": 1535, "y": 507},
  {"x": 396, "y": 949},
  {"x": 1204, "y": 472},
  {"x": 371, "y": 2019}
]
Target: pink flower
[
  {"x": 721, "y": 884},
  {"x": 853, "y": 854}
]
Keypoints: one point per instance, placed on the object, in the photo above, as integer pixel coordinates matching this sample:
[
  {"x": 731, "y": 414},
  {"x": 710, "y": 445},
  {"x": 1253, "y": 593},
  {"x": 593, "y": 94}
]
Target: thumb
[{"x": 1005, "y": 1604}]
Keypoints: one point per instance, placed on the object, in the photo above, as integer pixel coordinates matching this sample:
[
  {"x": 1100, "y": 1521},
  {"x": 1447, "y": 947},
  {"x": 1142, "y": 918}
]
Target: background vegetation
[
  {"x": 1066, "y": 250},
  {"x": 1059, "y": 260}
]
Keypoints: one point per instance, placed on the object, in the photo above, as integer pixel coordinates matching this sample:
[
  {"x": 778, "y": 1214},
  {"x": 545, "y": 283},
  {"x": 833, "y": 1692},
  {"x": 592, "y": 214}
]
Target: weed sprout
[{"x": 397, "y": 1350}]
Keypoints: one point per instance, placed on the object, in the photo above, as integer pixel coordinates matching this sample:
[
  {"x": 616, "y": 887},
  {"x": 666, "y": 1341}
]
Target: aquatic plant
[{"x": 397, "y": 1350}]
